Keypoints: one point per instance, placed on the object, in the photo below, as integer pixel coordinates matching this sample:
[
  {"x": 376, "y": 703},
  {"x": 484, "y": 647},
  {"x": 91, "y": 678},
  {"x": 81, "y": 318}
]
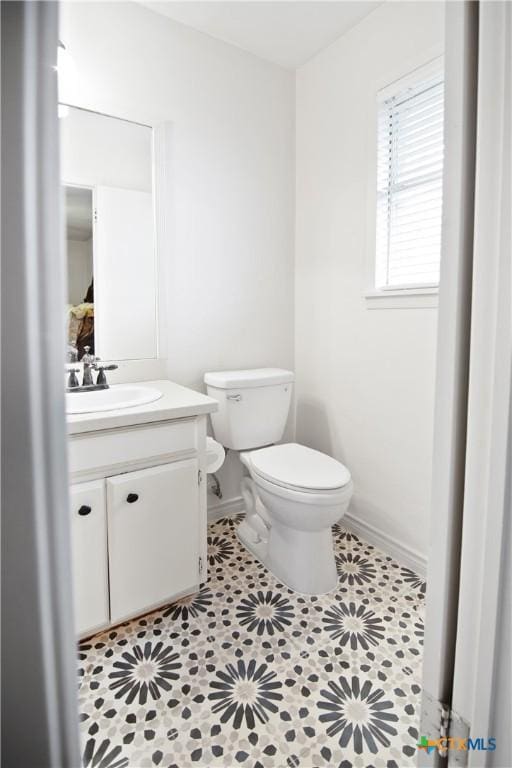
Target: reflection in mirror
[
  {"x": 107, "y": 174},
  {"x": 79, "y": 241}
]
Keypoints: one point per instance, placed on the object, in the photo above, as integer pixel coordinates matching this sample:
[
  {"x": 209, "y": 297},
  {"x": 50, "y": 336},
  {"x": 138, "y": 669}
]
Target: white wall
[
  {"x": 96, "y": 150},
  {"x": 365, "y": 377},
  {"x": 231, "y": 270}
]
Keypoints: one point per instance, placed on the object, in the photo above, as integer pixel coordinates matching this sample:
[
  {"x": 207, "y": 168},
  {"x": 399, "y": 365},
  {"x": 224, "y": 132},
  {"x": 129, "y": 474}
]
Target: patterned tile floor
[{"x": 248, "y": 673}]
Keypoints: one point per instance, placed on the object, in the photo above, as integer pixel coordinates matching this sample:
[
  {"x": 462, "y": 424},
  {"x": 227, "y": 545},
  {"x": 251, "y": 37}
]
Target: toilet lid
[{"x": 295, "y": 466}]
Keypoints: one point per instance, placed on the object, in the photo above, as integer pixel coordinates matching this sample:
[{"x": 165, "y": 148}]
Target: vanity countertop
[{"x": 177, "y": 402}]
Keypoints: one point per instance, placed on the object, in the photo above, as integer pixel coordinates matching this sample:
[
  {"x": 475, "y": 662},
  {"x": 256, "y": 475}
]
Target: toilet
[{"x": 293, "y": 495}]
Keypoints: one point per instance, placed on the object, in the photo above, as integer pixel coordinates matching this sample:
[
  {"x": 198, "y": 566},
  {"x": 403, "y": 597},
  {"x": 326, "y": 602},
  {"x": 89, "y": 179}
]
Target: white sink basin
[{"x": 117, "y": 396}]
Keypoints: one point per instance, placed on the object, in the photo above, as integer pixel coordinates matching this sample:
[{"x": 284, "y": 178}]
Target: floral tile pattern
[{"x": 249, "y": 673}]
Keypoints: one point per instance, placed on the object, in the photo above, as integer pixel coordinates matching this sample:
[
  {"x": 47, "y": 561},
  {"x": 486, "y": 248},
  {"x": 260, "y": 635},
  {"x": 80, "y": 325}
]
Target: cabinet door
[
  {"x": 153, "y": 535},
  {"x": 89, "y": 554}
]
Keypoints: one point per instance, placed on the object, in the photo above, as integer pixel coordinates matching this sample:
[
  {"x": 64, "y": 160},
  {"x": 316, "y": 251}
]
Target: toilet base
[
  {"x": 315, "y": 549},
  {"x": 254, "y": 544}
]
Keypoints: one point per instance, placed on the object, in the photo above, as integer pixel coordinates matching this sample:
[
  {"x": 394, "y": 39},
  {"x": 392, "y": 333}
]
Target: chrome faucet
[{"x": 90, "y": 364}]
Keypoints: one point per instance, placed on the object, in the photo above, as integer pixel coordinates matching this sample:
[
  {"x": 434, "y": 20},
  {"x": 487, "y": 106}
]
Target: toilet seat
[
  {"x": 298, "y": 468},
  {"x": 300, "y": 496}
]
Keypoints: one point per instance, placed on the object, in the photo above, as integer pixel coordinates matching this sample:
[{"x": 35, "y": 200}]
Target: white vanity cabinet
[{"x": 138, "y": 507}]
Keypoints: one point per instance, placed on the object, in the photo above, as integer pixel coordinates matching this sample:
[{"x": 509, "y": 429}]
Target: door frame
[
  {"x": 485, "y": 538},
  {"x": 469, "y": 557},
  {"x": 452, "y": 371},
  {"x": 39, "y": 701}
]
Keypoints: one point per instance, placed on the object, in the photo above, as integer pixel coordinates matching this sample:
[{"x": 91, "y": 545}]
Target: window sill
[{"x": 410, "y": 298}]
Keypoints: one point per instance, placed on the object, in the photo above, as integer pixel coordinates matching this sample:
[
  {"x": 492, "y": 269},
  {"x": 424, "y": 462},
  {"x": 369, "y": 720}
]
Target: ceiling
[{"x": 287, "y": 33}]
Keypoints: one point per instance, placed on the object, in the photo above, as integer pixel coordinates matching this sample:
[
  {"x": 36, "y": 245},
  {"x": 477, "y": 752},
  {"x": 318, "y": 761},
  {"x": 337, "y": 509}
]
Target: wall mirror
[{"x": 107, "y": 175}]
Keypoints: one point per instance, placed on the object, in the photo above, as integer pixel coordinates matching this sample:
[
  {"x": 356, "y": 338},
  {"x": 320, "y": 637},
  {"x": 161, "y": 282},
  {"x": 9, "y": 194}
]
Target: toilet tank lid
[{"x": 254, "y": 377}]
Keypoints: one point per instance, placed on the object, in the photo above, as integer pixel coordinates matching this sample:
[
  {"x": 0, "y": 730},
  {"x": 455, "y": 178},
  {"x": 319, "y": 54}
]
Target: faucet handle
[
  {"x": 102, "y": 379},
  {"x": 72, "y": 378}
]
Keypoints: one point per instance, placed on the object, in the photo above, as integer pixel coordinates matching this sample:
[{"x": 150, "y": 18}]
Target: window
[{"x": 409, "y": 181}]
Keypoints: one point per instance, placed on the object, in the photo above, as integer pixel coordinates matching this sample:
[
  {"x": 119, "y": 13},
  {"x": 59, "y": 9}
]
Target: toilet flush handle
[{"x": 237, "y": 398}]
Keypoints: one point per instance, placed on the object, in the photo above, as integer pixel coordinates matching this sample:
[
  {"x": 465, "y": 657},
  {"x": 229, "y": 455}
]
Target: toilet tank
[{"x": 253, "y": 406}]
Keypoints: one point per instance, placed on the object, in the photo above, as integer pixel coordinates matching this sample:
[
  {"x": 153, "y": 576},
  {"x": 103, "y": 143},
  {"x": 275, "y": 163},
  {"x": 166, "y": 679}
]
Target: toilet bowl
[{"x": 293, "y": 496}]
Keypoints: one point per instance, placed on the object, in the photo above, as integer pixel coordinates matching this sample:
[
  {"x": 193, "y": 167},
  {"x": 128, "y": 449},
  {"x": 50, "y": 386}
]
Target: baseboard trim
[
  {"x": 405, "y": 555},
  {"x": 227, "y": 508}
]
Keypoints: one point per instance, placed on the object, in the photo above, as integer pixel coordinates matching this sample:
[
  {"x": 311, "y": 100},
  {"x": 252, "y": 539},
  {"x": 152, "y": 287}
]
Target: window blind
[{"x": 409, "y": 183}]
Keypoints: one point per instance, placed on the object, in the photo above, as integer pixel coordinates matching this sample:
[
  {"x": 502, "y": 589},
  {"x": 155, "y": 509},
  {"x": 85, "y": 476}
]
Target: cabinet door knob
[
  {"x": 84, "y": 510},
  {"x": 132, "y": 497}
]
